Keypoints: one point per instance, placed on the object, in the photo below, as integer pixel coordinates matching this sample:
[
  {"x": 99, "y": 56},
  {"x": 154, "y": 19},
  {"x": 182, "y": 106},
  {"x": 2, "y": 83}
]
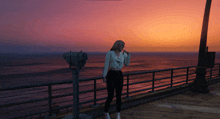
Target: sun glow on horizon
[{"x": 144, "y": 25}]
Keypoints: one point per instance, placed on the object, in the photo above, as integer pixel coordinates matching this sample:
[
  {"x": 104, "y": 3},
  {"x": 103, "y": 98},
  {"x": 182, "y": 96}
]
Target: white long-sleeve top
[{"x": 113, "y": 61}]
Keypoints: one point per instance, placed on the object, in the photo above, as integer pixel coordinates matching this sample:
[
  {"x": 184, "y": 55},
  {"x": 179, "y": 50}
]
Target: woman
[{"x": 114, "y": 78}]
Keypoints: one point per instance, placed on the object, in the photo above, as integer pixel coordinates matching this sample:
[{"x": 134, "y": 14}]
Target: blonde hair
[{"x": 115, "y": 46}]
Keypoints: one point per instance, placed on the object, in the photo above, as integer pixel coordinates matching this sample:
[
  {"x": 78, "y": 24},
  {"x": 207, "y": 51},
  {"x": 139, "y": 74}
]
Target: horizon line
[{"x": 102, "y": 52}]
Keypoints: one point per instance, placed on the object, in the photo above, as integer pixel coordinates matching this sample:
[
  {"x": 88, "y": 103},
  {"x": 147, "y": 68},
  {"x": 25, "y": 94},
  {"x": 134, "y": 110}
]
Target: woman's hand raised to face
[{"x": 126, "y": 52}]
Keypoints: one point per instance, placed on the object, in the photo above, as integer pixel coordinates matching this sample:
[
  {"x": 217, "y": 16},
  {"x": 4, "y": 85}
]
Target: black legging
[{"x": 114, "y": 80}]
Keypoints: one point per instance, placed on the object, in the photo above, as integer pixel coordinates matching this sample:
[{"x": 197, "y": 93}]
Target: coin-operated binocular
[{"x": 77, "y": 59}]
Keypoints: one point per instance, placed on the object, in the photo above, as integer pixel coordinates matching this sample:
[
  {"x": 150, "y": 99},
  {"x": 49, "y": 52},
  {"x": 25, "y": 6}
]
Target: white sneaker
[
  {"x": 107, "y": 116},
  {"x": 118, "y": 115}
]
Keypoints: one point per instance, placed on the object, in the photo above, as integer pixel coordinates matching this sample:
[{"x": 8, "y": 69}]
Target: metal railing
[{"x": 155, "y": 81}]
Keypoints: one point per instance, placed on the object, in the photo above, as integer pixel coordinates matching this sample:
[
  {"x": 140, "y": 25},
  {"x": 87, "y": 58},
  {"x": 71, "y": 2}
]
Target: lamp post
[{"x": 200, "y": 85}]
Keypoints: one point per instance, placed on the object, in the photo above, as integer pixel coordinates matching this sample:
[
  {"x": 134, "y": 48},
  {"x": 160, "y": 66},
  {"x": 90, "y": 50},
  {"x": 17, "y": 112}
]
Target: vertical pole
[
  {"x": 219, "y": 70},
  {"x": 50, "y": 100},
  {"x": 153, "y": 82},
  {"x": 127, "y": 86},
  {"x": 203, "y": 40},
  {"x": 171, "y": 78},
  {"x": 187, "y": 75},
  {"x": 94, "y": 92},
  {"x": 200, "y": 85},
  {"x": 75, "y": 73},
  {"x": 70, "y": 64}
]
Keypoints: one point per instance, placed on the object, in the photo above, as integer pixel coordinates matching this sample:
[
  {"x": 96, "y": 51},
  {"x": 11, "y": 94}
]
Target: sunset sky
[{"x": 94, "y": 25}]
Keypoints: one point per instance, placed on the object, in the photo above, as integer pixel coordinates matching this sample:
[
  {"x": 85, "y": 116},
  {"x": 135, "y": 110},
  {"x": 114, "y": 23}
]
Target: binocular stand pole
[
  {"x": 76, "y": 115},
  {"x": 75, "y": 76}
]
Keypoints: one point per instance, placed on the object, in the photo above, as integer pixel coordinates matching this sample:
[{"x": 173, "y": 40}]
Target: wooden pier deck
[
  {"x": 186, "y": 105},
  {"x": 171, "y": 103}
]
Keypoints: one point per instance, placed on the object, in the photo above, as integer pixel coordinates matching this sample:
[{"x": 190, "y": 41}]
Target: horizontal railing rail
[{"x": 130, "y": 90}]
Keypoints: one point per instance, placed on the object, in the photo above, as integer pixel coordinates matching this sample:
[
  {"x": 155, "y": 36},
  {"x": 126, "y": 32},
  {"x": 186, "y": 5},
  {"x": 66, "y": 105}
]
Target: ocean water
[
  {"x": 38, "y": 68},
  {"x": 24, "y": 69}
]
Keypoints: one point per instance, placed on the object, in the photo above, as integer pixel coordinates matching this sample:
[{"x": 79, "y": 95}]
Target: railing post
[
  {"x": 211, "y": 73},
  {"x": 187, "y": 75},
  {"x": 94, "y": 92},
  {"x": 171, "y": 78},
  {"x": 50, "y": 100},
  {"x": 219, "y": 70},
  {"x": 153, "y": 82},
  {"x": 128, "y": 87},
  {"x": 94, "y": 105}
]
